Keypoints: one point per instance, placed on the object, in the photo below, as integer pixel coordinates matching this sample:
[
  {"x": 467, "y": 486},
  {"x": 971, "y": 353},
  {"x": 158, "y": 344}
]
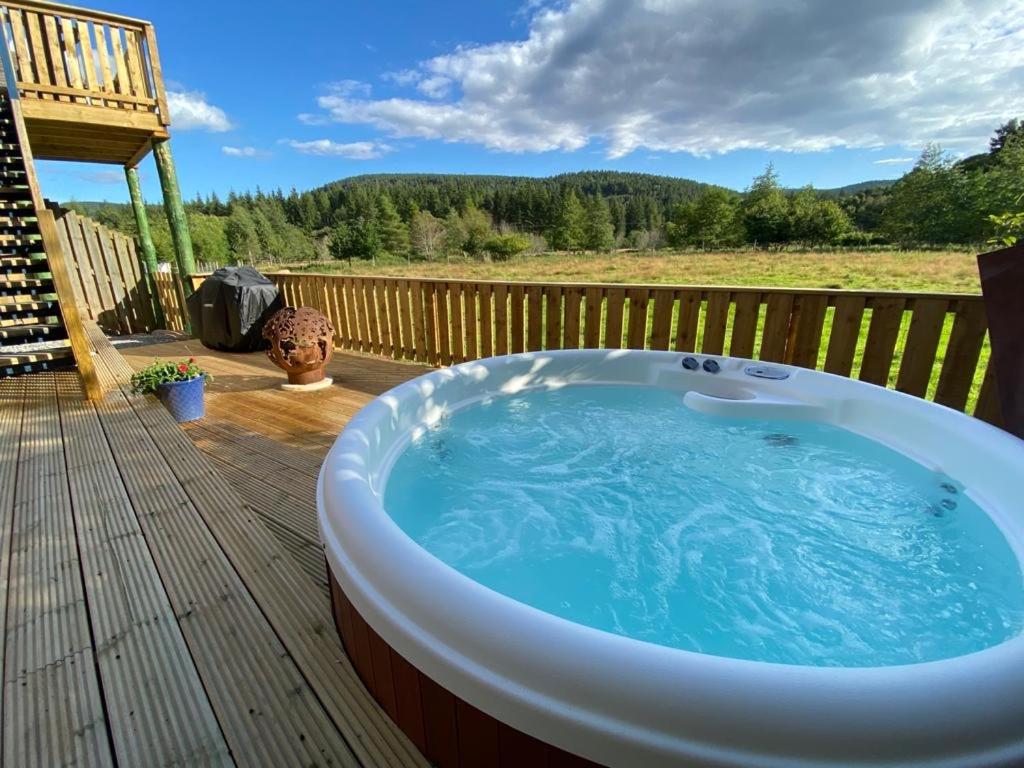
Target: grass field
[{"x": 953, "y": 271}]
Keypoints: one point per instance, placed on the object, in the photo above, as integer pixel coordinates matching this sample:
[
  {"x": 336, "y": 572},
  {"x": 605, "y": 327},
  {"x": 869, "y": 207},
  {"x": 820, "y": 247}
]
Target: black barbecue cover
[{"x": 230, "y": 307}]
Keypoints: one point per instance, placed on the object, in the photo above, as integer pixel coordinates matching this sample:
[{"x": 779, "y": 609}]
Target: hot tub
[{"x": 472, "y": 674}]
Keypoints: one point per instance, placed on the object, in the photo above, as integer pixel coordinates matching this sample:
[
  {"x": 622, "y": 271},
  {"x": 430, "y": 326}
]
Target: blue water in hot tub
[{"x": 795, "y": 542}]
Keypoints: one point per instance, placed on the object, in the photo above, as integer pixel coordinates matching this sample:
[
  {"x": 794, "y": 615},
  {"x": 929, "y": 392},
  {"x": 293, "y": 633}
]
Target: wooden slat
[
  {"x": 122, "y": 84},
  {"x": 352, "y": 313},
  {"x": 661, "y": 326},
  {"x": 613, "y": 318},
  {"x": 404, "y": 312},
  {"x": 88, "y": 57},
  {"x": 458, "y": 335},
  {"x": 805, "y": 331},
  {"x": 883, "y": 331},
  {"x": 469, "y": 307},
  {"x": 776, "y": 327},
  {"x": 687, "y": 318},
  {"x": 39, "y": 59},
  {"x": 486, "y": 321},
  {"x": 988, "y": 407},
  {"x": 430, "y": 325},
  {"x": 592, "y": 330},
  {"x": 386, "y": 346},
  {"x": 918, "y": 360},
  {"x": 842, "y": 344},
  {"x": 518, "y": 325},
  {"x": 418, "y": 321},
  {"x": 716, "y": 319},
  {"x": 553, "y": 318},
  {"x": 501, "y": 320},
  {"x": 23, "y": 59},
  {"x": 106, "y": 82},
  {"x": 961, "y": 358},
  {"x": 534, "y": 317},
  {"x": 571, "y": 331},
  {"x": 636, "y": 329},
  {"x": 744, "y": 325},
  {"x": 443, "y": 314}
]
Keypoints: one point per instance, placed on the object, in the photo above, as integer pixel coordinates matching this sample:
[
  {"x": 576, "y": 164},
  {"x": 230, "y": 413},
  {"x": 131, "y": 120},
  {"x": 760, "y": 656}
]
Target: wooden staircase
[{"x": 32, "y": 332}]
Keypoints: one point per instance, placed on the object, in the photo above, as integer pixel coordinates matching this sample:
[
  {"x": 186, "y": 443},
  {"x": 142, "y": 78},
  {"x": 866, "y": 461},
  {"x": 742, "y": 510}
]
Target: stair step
[
  {"x": 36, "y": 331},
  {"x": 14, "y": 356},
  {"x": 20, "y": 281},
  {"x": 32, "y": 260},
  {"x": 27, "y": 305},
  {"x": 34, "y": 318},
  {"x": 41, "y": 272}
]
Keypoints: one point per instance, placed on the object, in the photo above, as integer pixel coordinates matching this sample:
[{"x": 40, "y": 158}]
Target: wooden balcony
[{"x": 90, "y": 83}]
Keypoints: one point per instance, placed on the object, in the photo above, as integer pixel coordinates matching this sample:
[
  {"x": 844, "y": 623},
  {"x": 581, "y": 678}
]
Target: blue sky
[{"x": 703, "y": 89}]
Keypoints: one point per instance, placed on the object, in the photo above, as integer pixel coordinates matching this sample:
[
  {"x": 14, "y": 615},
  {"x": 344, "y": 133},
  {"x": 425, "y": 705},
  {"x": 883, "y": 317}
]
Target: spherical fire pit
[{"x": 301, "y": 345}]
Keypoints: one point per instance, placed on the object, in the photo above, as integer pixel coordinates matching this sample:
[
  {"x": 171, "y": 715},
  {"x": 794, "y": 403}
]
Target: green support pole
[
  {"x": 147, "y": 256},
  {"x": 175, "y": 211}
]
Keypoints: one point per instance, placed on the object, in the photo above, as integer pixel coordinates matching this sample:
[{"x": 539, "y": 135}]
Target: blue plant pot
[{"x": 184, "y": 399}]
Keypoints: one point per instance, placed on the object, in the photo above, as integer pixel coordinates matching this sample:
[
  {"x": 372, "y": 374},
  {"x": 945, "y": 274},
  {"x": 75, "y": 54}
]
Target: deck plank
[
  {"x": 298, "y": 611},
  {"x": 156, "y": 706},
  {"x": 266, "y": 709},
  {"x": 53, "y": 711}
]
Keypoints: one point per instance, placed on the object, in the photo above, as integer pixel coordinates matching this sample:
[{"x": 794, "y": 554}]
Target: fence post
[{"x": 147, "y": 251}]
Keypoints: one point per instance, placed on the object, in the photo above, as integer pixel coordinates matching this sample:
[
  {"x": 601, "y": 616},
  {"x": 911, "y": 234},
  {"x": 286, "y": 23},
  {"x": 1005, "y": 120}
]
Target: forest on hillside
[{"x": 941, "y": 201}]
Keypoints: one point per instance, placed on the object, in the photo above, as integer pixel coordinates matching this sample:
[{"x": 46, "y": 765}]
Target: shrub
[{"x": 504, "y": 247}]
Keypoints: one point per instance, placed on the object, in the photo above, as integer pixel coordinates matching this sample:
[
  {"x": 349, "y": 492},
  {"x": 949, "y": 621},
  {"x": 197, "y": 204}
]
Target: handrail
[
  {"x": 78, "y": 12},
  {"x": 860, "y": 292},
  {"x": 76, "y": 56}
]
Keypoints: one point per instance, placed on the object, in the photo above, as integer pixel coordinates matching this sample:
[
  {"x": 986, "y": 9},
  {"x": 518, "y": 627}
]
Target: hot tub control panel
[{"x": 692, "y": 363}]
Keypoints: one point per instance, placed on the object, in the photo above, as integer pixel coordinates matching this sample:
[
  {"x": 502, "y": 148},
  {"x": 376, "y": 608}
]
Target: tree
[
  {"x": 766, "y": 210},
  {"x": 711, "y": 221},
  {"x": 477, "y": 228},
  {"x": 454, "y": 233},
  {"x": 426, "y": 234},
  {"x": 1008, "y": 130},
  {"x": 240, "y": 231},
  {"x": 930, "y": 204},
  {"x": 209, "y": 242},
  {"x": 567, "y": 230},
  {"x": 394, "y": 234},
  {"x": 504, "y": 247},
  {"x": 598, "y": 231},
  {"x": 359, "y": 239}
]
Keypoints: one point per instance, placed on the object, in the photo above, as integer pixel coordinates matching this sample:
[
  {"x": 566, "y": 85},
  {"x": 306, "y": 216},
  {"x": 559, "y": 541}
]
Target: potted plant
[{"x": 178, "y": 385}]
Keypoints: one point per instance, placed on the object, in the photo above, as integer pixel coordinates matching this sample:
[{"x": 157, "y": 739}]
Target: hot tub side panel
[{"x": 449, "y": 731}]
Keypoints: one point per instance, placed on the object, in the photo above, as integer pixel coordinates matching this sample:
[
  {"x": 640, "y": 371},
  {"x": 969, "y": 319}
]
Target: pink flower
[{"x": 182, "y": 368}]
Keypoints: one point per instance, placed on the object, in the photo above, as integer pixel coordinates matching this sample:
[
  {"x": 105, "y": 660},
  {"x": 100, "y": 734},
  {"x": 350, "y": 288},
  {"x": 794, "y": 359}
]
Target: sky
[{"x": 831, "y": 93}]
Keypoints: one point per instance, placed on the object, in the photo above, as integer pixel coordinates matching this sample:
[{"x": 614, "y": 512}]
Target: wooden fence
[
  {"x": 925, "y": 344},
  {"x": 108, "y": 279}
]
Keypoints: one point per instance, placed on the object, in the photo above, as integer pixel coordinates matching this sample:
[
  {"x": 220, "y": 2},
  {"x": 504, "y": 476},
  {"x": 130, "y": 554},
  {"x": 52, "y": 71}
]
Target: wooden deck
[{"x": 167, "y": 605}]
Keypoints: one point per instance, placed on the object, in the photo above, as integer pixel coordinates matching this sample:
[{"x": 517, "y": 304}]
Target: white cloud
[
  {"x": 435, "y": 87},
  {"x": 709, "y": 76},
  {"x": 349, "y": 88},
  {"x": 895, "y": 161},
  {"x": 190, "y": 110},
  {"x": 244, "y": 152},
  {"x": 402, "y": 77},
  {"x": 356, "y": 150}
]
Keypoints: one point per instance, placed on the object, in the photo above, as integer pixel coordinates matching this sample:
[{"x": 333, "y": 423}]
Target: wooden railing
[
  {"x": 104, "y": 267},
  {"x": 172, "y": 300},
  {"x": 84, "y": 57},
  {"x": 925, "y": 344}
]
